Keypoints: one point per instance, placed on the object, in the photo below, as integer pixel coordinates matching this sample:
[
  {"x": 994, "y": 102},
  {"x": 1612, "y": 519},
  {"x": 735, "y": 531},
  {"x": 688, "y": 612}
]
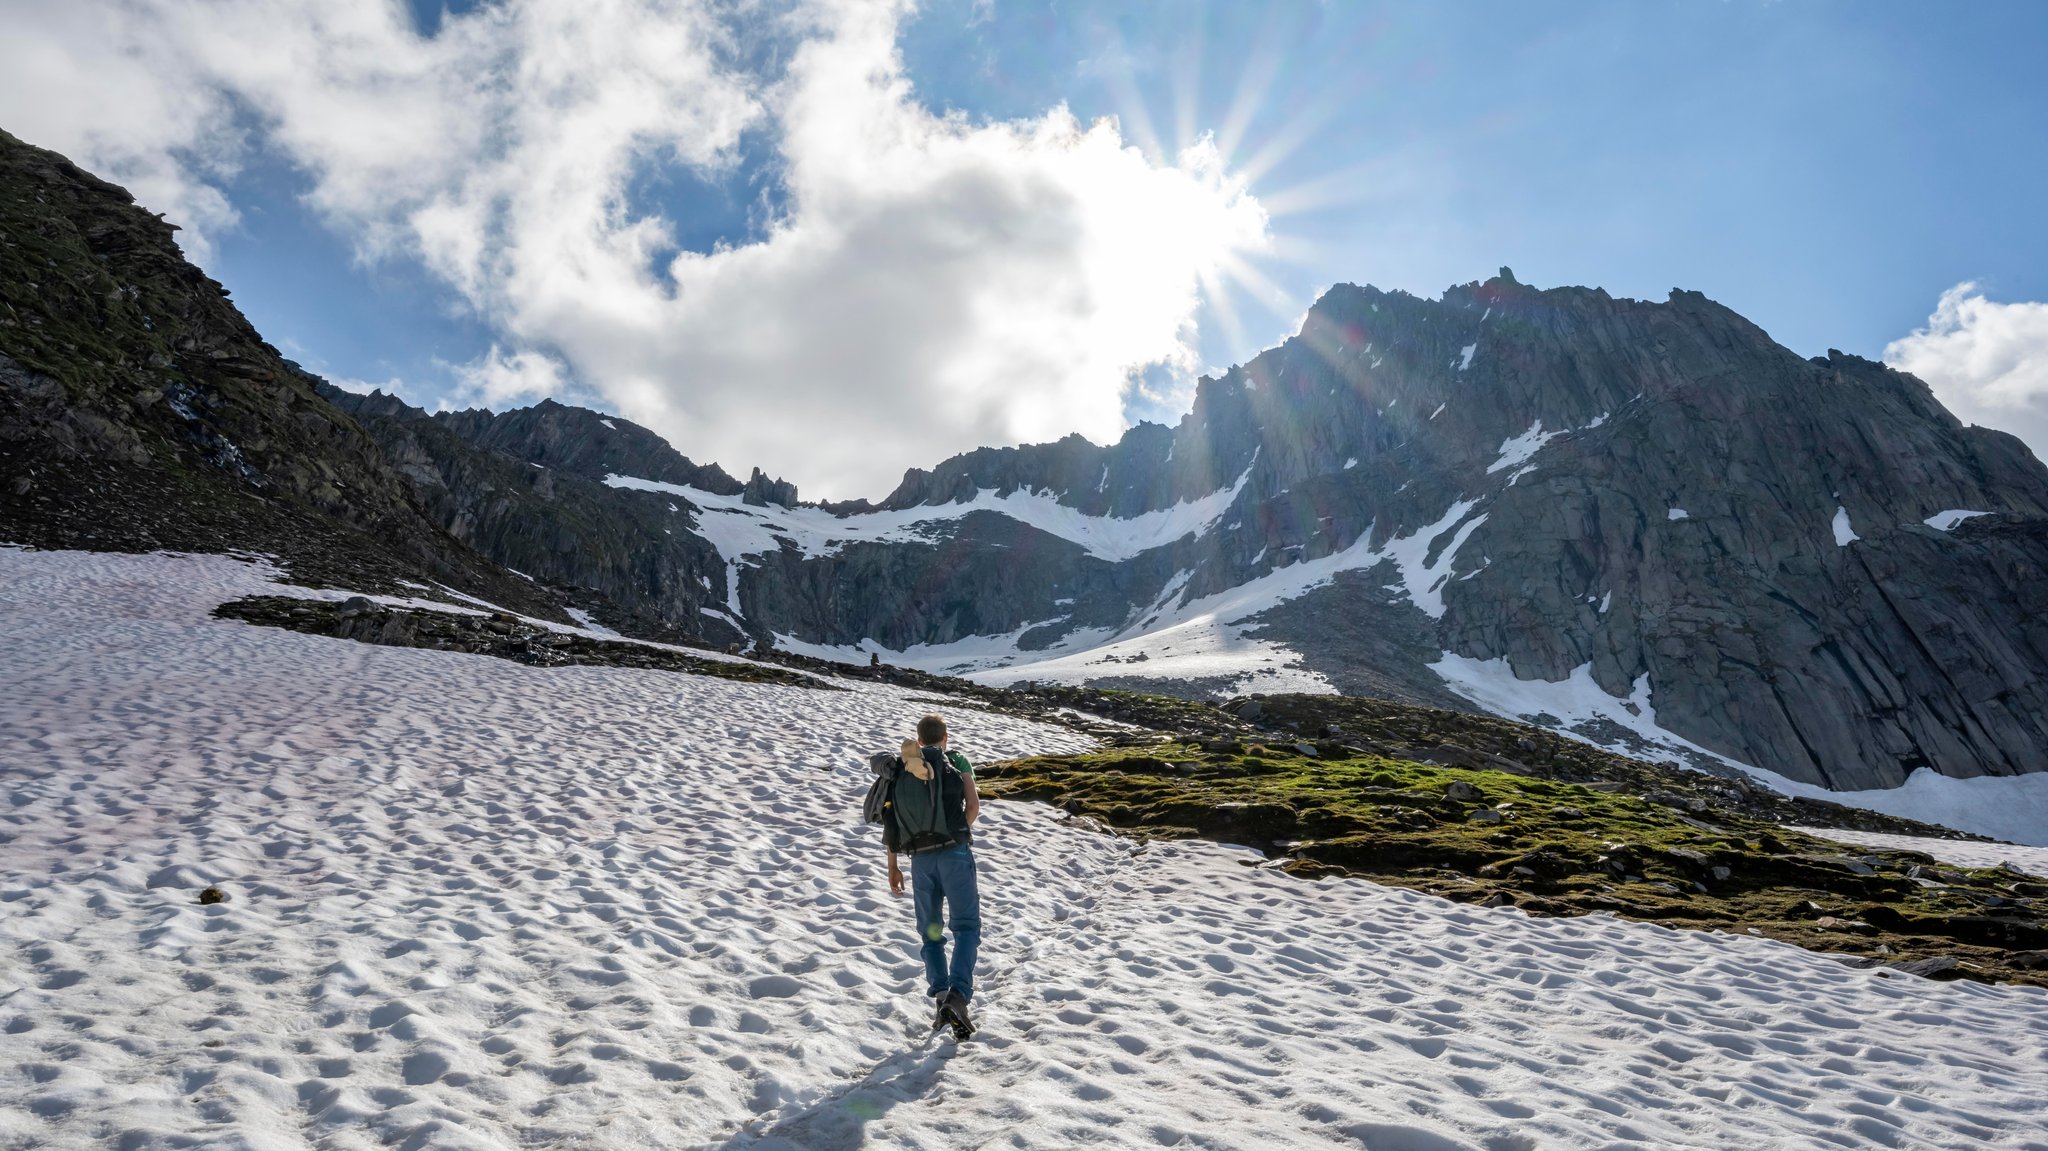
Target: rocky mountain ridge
[
  {"x": 1642, "y": 523},
  {"x": 527, "y": 488},
  {"x": 1513, "y": 485},
  {"x": 140, "y": 410},
  {"x": 1653, "y": 497}
]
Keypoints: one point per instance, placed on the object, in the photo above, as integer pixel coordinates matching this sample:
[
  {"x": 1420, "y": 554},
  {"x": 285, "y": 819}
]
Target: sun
[{"x": 1234, "y": 153}]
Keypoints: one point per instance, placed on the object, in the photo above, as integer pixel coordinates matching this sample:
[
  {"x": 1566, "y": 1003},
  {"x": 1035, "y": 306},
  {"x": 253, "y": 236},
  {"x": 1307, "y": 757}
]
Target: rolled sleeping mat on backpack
[{"x": 913, "y": 760}]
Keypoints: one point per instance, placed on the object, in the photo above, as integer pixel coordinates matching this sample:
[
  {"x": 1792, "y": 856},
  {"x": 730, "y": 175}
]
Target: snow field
[
  {"x": 1961, "y": 852},
  {"x": 482, "y": 905},
  {"x": 472, "y": 904}
]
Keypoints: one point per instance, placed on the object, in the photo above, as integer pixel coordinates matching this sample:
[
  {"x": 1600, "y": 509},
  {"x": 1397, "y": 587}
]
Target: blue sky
[{"x": 1826, "y": 167}]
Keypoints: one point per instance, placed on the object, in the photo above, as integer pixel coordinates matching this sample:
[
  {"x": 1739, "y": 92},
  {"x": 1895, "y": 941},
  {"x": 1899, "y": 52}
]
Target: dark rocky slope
[
  {"x": 526, "y": 488},
  {"x": 1763, "y": 636},
  {"x": 139, "y": 410},
  {"x": 500, "y": 635}
]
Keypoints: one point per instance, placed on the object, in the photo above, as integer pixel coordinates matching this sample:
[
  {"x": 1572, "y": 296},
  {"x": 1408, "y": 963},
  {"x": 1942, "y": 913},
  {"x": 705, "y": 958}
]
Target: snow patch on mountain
[
  {"x": 1961, "y": 852},
  {"x": 1576, "y": 706},
  {"x": 1210, "y": 638},
  {"x": 1423, "y": 579},
  {"x": 1844, "y": 534},
  {"x": 738, "y": 529},
  {"x": 1947, "y": 521},
  {"x": 1516, "y": 450},
  {"x": 2007, "y": 807},
  {"x": 589, "y": 625},
  {"x": 2012, "y": 807},
  {"x": 968, "y": 654},
  {"x": 1215, "y": 637}
]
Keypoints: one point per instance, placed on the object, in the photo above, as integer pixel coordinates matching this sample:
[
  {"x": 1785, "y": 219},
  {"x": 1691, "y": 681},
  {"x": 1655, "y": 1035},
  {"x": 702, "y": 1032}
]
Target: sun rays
[{"x": 1258, "y": 132}]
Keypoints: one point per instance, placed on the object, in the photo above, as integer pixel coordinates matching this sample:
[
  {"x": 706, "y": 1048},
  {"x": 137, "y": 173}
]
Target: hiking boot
[{"x": 953, "y": 1013}]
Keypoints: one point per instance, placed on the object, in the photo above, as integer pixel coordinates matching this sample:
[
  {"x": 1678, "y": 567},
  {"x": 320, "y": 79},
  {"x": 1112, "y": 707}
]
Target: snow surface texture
[
  {"x": 2006, "y": 807},
  {"x": 479, "y": 905},
  {"x": 1961, "y": 852}
]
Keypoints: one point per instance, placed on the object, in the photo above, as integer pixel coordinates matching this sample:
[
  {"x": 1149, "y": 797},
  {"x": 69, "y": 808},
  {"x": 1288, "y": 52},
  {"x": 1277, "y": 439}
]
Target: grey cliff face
[
  {"x": 527, "y": 489},
  {"x": 582, "y": 442},
  {"x": 1653, "y": 493},
  {"x": 1691, "y": 536}
]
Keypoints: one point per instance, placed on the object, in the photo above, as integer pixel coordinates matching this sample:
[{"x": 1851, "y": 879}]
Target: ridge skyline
[
  {"x": 854, "y": 504},
  {"x": 1001, "y": 223}
]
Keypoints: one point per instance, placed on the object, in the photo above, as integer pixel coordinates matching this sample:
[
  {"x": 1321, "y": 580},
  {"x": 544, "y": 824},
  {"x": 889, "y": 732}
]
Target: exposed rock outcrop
[
  {"x": 1743, "y": 527},
  {"x": 526, "y": 488},
  {"x": 140, "y": 410}
]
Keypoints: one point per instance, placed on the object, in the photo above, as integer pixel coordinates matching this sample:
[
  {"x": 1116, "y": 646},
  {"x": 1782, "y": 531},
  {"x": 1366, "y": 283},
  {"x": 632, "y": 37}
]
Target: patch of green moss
[{"x": 1555, "y": 848}]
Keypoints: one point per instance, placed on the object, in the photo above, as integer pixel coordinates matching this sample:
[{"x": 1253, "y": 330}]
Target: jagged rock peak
[
  {"x": 762, "y": 491},
  {"x": 588, "y": 443}
]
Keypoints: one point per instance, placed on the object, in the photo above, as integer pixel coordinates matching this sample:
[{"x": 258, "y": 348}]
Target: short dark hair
[{"x": 931, "y": 730}]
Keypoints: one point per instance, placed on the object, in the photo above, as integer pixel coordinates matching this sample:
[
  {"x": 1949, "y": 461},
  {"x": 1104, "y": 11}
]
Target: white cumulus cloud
[
  {"x": 931, "y": 282},
  {"x": 76, "y": 77},
  {"x": 1987, "y": 361},
  {"x": 498, "y": 379}
]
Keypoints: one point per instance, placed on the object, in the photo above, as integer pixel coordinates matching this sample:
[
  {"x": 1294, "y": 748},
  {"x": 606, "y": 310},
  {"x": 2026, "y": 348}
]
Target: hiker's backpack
[
  {"x": 875, "y": 808},
  {"x": 918, "y": 806}
]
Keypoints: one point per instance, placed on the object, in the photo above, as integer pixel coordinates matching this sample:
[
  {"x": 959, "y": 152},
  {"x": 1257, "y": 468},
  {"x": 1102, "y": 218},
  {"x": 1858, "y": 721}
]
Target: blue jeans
[{"x": 947, "y": 876}]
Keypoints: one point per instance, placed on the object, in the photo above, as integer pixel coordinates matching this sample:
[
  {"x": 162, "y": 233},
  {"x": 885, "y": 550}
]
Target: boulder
[{"x": 1932, "y": 967}]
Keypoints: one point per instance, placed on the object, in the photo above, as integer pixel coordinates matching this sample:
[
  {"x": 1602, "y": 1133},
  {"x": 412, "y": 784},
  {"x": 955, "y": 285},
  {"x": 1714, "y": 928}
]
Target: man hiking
[{"x": 932, "y": 804}]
